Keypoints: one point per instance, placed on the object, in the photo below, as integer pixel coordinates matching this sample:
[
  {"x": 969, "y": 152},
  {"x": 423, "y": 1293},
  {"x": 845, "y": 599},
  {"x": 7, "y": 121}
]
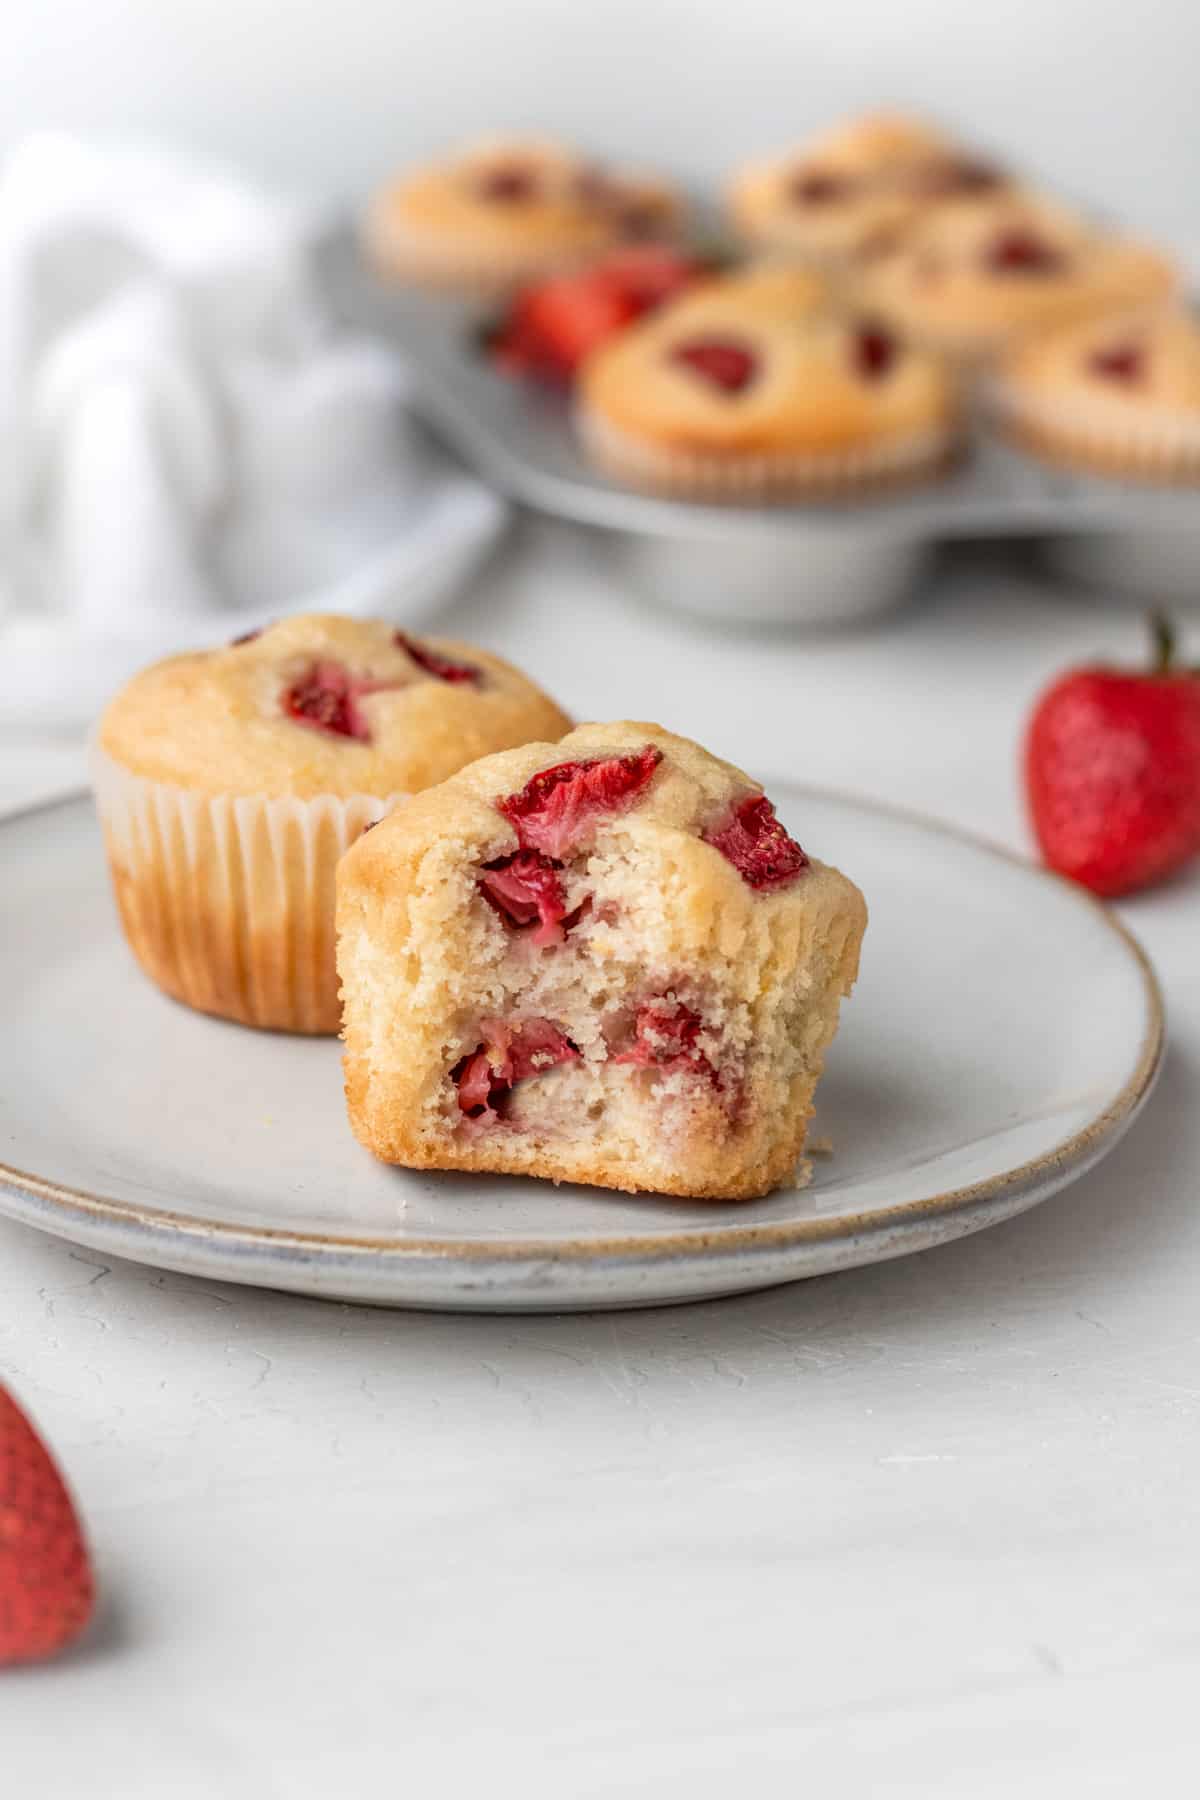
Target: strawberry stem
[{"x": 1163, "y": 634}]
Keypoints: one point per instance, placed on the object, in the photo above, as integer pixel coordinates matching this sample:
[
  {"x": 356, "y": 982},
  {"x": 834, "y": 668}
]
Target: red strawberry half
[
  {"x": 46, "y": 1588},
  {"x": 553, "y": 325},
  {"x": 1112, "y": 773}
]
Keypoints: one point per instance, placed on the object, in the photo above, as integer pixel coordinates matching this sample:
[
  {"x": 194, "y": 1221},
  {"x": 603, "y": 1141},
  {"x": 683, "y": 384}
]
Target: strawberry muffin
[
  {"x": 1119, "y": 394},
  {"x": 854, "y": 191},
  {"x": 603, "y": 961},
  {"x": 507, "y": 211},
  {"x": 717, "y": 399},
  {"x": 979, "y": 273},
  {"x": 230, "y": 781}
]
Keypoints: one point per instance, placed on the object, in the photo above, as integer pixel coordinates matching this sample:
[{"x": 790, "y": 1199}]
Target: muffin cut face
[{"x": 602, "y": 961}]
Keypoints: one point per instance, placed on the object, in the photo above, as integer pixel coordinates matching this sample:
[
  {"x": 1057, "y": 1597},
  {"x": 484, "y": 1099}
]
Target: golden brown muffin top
[
  {"x": 730, "y": 858},
  {"x": 976, "y": 273},
  {"x": 510, "y": 192},
  {"x": 713, "y": 374},
  {"x": 855, "y": 189},
  {"x": 320, "y": 704},
  {"x": 1138, "y": 362}
]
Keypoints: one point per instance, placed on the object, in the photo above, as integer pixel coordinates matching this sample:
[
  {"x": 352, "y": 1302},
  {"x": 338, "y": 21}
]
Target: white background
[{"x": 326, "y": 94}]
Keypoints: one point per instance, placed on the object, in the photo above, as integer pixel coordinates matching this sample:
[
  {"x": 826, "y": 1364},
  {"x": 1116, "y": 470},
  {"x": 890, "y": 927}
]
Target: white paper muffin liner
[
  {"x": 1151, "y": 445},
  {"x": 227, "y": 900},
  {"x": 749, "y": 476}
]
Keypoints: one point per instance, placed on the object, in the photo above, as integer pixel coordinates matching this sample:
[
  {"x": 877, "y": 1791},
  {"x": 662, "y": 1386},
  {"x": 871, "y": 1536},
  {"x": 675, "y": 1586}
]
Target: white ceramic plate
[{"x": 1004, "y": 1034}]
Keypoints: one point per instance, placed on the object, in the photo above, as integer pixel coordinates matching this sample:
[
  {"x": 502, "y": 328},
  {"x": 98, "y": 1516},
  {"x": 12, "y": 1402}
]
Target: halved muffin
[{"x": 602, "y": 961}]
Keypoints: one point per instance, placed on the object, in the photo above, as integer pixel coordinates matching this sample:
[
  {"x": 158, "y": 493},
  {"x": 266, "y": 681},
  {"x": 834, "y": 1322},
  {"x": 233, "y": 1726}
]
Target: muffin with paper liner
[
  {"x": 230, "y": 781},
  {"x": 1118, "y": 394}
]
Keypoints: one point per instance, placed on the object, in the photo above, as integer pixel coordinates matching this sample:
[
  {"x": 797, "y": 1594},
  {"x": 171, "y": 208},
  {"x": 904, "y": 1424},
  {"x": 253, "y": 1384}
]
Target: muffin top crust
[
  {"x": 856, "y": 189},
  {"x": 1119, "y": 394},
  {"x": 764, "y": 288},
  {"x": 979, "y": 272},
  {"x": 320, "y": 704},
  {"x": 1132, "y": 363},
  {"x": 516, "y": 192},
  {"x": 710, "y": 374}
]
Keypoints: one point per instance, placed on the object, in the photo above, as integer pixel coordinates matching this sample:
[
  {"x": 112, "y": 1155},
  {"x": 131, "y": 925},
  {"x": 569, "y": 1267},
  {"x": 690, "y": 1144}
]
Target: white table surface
[{"x": 925, "y": 1529}]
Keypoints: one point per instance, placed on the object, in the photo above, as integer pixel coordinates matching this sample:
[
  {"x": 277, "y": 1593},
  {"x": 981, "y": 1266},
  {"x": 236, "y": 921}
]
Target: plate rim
[{"x": 1078, "y": 1151}]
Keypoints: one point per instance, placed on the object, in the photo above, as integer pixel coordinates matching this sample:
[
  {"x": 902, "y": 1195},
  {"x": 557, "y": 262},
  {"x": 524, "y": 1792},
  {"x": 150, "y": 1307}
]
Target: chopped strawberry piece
[
  {"x": 819, "y": 187},
  {"x": 958, "y": 175},
  {"x": 474, "y": 1080},
  {"x": 527, "y": 889},
  {"x": 1120, "y": 362},
  {"x": 509, "y": 184},
  {"x": 753, "y": 840},
  {"x": 666, "y": 1037},
  {"x": 326, "y": 697},
  {"x": 535, "y": 1046},
  {"x": 508, "y": 1054},
  {"x": 434, "y": 663},
  {"x": 1021, "y": 251},
  {"x": 874, "y": 351},
  {"x": 730, "y": 367},
  {"x": 556, "y": 810}
]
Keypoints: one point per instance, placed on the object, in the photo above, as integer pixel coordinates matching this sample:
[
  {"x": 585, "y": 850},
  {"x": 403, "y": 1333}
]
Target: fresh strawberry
[
  {"x": 1112, "y": 772},
  {"x": 46, "y": 1590},
  {"x": 553, "y": 325}
]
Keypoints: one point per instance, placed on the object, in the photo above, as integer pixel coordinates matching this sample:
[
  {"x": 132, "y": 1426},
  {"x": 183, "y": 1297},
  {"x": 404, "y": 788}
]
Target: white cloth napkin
[{"x": 187, "y": 448}]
